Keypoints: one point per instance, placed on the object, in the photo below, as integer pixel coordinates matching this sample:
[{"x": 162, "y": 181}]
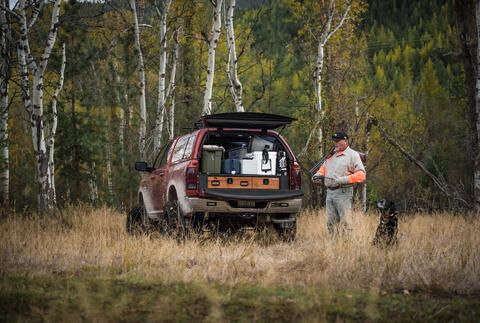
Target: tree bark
[
  {"x": 477, "y": 114},
  {"x": 92, "y": 184},
  {"x": 4, "y": 105},
  {"x": 34, "y": 105},
  {"x": 53, "y": 128},
  {"x": 141, "y": 71},
  {"x": 171, "y": 87},
  {"x": 466, "y": 19},
  {"x": 163, "y": 12},
  {"x": 215, "y": 34},
  {"x": 234, "y": 83}
]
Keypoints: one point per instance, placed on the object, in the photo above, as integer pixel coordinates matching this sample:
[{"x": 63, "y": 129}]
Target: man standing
[{"x": 340, "y": 172}]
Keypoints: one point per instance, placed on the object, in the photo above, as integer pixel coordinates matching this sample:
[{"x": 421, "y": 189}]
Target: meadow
[{"x": 86, "y": 254}]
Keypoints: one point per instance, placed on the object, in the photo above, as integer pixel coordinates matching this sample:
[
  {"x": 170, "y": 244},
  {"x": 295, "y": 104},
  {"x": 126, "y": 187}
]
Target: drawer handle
[
  {"x": 215, "y": 183},
  {"x": 243, "y": 183}
]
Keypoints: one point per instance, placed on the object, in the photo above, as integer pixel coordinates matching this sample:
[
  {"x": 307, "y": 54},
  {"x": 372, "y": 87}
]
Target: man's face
[{"x": 341, "y": 144}]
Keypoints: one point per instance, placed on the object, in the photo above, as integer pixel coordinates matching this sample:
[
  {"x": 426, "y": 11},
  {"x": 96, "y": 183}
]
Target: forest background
[{"x": 402, "y": 61}]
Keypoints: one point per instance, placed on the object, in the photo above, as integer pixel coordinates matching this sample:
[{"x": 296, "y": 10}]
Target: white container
[
  {"x": 253, "y": 163},
  {"x": 249, "y": 166},
  {"x": 265, "y": 167}
]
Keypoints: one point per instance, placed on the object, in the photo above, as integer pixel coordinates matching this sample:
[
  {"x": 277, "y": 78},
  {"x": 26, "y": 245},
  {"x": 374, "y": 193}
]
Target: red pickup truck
[{"x": 233, "y": 171}]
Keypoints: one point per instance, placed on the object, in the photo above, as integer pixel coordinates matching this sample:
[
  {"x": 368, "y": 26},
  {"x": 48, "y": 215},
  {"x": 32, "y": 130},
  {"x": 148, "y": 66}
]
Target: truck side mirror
[{"x": 142, "y": 166}]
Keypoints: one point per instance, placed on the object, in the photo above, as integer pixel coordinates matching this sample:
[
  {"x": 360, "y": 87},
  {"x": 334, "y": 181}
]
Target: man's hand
[
  {"x": 317, "y": 178},
  {"x": 343, "y": 180}
]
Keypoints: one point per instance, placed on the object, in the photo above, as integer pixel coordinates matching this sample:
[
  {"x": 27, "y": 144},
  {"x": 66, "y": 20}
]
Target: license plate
[{"x": 246, "y": 203}]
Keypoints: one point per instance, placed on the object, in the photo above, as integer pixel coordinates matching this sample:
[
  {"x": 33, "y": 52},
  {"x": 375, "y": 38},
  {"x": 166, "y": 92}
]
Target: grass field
[{"x": 80, "y": 263}]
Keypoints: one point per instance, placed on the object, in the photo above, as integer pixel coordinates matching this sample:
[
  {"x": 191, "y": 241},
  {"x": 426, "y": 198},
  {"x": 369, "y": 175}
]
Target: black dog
[{"x": 386, "y": 234}]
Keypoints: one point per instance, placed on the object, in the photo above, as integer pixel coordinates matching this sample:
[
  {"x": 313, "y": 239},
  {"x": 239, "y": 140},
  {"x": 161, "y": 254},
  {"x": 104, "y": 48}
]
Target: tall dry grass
[{"x": 437, "y": 253}]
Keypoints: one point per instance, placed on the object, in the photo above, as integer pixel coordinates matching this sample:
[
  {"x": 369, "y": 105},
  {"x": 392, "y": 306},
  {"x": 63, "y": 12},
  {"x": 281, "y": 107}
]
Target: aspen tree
[
  {"x": 33, "y": 104},
  {"x": 476, "y": 174},
  {"x": 52, "y": 129},
  {"x": 234, "y": 83},
  {"x": 141, "y": 71},
  {"x": 325, "y": 36},
  {"x": 212, "y": 46},
  {"x": 4, "y": 104},
  {"x": 171, "y": 86},
  {"x": 162, "y": 11}
]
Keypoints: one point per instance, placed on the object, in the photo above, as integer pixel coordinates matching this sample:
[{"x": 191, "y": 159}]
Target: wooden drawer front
[
  {"x": 269, "y": 183},
  {"x": 229, "y": 182}
]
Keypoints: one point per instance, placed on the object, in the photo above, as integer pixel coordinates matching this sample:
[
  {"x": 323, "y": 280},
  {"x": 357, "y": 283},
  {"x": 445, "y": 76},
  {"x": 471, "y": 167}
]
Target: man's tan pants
[{"x": 339, "y": 209}]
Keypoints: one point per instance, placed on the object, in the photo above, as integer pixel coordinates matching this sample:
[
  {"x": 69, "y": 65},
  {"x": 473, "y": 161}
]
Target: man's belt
[{"x": 333, "y": 188}]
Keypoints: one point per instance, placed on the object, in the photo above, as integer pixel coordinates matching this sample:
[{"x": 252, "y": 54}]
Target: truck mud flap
[{"x": 252, "y": 195}]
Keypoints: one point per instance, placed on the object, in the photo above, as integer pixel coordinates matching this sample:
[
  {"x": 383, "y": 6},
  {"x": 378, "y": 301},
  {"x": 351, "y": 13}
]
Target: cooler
[
  {"x": 253, "y": 163},
  {"x": 266, "y": 167}
]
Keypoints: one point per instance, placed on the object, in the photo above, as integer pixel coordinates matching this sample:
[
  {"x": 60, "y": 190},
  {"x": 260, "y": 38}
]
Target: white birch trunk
[
  {"x": 171, "y": 87},
  {"x": 4, "y": 79},
  {"x": 232, "y": 64},
  {"x": 4, "y": 153},
  {"x": 34, "y": 105},
  {"x": 216, "y": 29},
  {"x": 141, "y": 70},
  {"x": 53, "y": 128},
  {"x": 325, "y": 36},
  {"x": 92, "y": 185},
  {"x": 366, "y": 150},
  {"x": 121, "y": 135},
  {"x": 163, "y": 12},
  {"x": 109, "y": 172},
  {"x": 476, "y": 174}
]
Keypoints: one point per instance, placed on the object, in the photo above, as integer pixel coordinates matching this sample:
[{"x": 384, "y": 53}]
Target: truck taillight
[
  {"x": 191, "y": 178},
  {"x": 295, "y": 177}
]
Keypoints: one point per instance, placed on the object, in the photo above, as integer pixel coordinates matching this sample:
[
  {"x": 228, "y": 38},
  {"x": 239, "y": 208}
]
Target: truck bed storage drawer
[
  {"x": 267, "y": 183},
  {"x": 229, "y": 182}
]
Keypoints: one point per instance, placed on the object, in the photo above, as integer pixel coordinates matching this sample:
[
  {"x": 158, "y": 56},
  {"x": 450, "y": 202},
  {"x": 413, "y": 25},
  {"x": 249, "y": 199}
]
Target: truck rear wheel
[{"x": 177, "y": 224}]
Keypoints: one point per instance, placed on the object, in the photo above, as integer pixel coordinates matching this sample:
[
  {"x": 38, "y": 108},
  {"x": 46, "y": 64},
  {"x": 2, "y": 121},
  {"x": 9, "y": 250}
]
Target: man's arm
[
  {"x": 319, "y": 175},
  {"x": 359, "y": 173}
]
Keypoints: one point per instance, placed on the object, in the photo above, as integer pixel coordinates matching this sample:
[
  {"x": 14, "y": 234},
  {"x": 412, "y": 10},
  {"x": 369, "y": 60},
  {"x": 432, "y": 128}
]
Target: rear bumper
[
  {"x": 208, "y": 205},
  {"x": 252, "y": 195}
]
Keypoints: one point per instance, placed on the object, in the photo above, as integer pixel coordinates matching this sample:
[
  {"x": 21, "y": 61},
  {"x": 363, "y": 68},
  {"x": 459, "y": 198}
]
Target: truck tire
[
  {"x": 134, "y": 221},
  {"x": 138, "y": 221},
  {"x": 177, "y": 224}
]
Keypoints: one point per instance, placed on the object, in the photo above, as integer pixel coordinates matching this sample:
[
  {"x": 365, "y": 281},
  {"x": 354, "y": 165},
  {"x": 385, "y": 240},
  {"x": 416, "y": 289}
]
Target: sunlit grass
[{"x": 436, "y": 253}]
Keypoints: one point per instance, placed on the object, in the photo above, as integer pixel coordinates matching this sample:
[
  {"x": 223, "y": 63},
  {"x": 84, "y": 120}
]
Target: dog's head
[{"x": 387, "y": 207}]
